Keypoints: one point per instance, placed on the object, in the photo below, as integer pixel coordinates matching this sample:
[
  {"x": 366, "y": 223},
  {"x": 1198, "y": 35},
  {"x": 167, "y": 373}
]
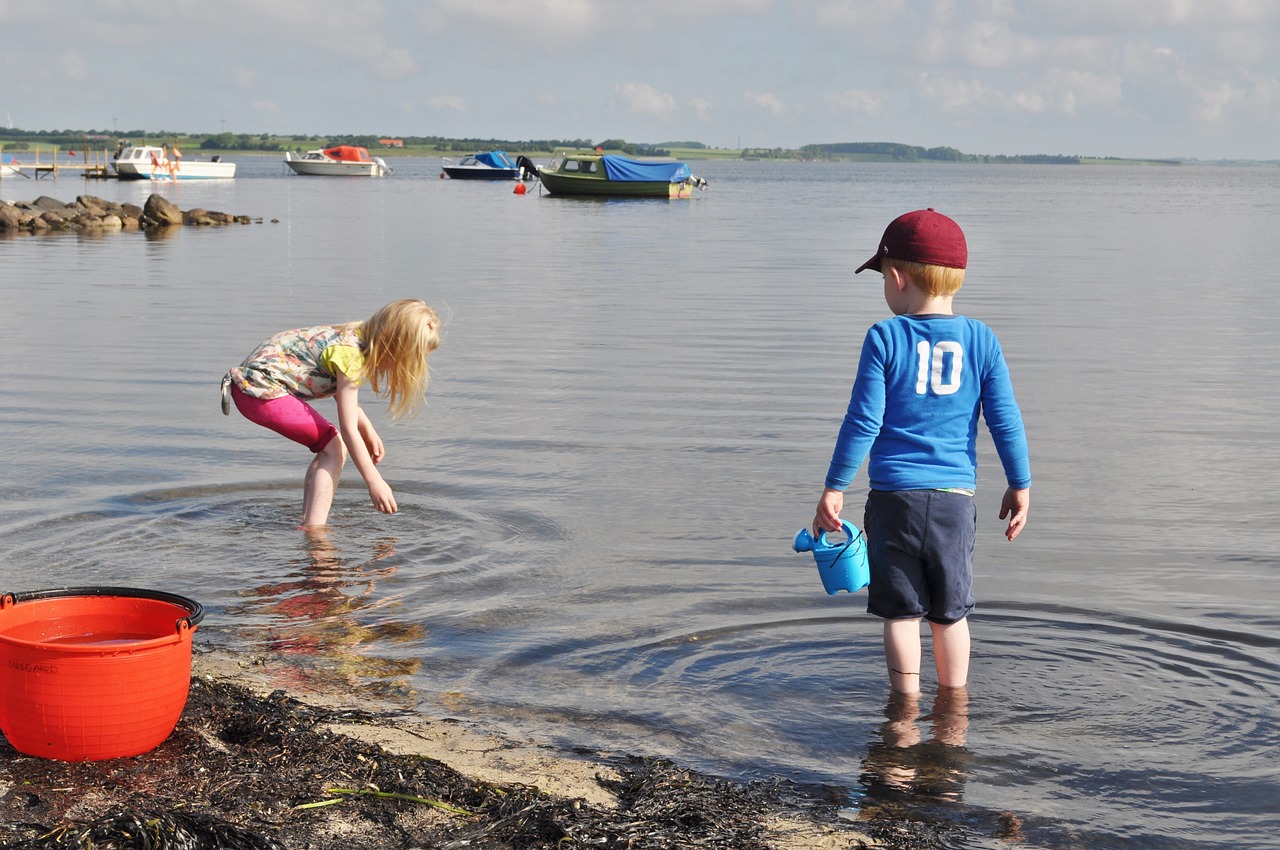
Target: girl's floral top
[{"x": 303, "y": 363}]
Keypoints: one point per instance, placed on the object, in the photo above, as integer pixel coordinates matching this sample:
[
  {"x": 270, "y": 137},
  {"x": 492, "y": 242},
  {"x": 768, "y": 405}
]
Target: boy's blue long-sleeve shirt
[{"x": 922, "y": 382}]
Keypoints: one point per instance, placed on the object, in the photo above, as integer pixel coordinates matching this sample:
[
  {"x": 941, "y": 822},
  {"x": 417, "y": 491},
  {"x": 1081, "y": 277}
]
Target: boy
[{"x": 923, "y": 378}]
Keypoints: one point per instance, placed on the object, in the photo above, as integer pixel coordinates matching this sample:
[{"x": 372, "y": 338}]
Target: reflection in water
[
  {"x": 323, "y": 628},
  {"x": 906, "y": 772}
]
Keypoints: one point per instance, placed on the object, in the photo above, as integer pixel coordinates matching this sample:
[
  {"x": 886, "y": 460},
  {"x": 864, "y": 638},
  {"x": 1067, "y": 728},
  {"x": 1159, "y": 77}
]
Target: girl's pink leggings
[{"x": 288, "y": 416}]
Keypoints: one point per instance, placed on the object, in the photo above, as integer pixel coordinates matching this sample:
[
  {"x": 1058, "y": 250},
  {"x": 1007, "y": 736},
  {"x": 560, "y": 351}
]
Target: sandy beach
[{"x": 251, "y": 766}]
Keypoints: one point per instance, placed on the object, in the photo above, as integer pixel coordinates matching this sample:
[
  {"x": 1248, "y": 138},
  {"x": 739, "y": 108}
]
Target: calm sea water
[{"x": 629, "y": 419}]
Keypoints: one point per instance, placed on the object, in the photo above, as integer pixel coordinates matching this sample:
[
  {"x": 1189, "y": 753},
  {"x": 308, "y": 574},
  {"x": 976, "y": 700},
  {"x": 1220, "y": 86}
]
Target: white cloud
[
  {"x": 857, "y": 100},
  {"x": 73, "y": 66},
  {"x": 701, "y": 107},
  {"x": 862, "y": 15},
  {"x": 767, "y": 101},
  {"x": 643, "y": 99},
  {"x": 243, "y": 77},
  {"x": 448, "y": 101}
]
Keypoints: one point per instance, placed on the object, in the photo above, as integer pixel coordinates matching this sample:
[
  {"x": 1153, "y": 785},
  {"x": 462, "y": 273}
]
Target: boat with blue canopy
[
  {"x": 595, "y": 173},
  {"x": 489, "y": 165}
]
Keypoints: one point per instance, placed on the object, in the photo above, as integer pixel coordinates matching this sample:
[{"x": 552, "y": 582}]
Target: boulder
[
  {"x": 159, "y": 212},
  {"x": 93, "y": 214}
]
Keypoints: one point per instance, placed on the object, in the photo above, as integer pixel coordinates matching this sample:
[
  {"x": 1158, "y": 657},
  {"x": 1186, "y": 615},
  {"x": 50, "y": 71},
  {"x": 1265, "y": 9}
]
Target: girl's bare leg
[
  {"x": 322, "y": 482},
  {"x": 902, "y": 654},
  {"x": 951, "y": 653}
]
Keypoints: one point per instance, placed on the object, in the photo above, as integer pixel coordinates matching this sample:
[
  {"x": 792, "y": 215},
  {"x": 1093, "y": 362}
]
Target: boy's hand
[
  {"x": 1015, "y": 505},
  {"x": 827, "y": 516}
]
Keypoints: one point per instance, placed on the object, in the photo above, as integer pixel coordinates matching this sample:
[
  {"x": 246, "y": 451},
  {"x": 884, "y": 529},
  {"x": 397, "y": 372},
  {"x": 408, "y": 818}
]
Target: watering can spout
[{"x": 803, "y": 541}]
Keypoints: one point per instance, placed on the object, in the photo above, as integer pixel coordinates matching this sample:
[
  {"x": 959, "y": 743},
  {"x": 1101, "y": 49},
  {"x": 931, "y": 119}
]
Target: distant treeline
[
  {"x": 19, "y": 140},
  {"x": 15, "y": 139},
  {"x": 895, "y": 152}
]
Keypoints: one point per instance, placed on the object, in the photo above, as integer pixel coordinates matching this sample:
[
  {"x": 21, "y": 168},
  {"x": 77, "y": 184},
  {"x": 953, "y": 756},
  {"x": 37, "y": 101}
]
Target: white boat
[
  {"x": 148, "y": 162},
  {"x": 337, "y": 161},
  {"x": 490, "y": 165}
]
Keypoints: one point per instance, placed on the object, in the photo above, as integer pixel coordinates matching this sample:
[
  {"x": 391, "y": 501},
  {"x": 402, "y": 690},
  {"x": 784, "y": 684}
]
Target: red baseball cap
[{"x": 923, "y": 236}]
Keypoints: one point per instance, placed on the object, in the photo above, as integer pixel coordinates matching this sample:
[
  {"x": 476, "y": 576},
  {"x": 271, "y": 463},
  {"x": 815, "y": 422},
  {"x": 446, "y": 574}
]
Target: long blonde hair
[{"x": 397, "y": 340}]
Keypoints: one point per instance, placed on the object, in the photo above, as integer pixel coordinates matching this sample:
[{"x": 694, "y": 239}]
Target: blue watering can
[{"x": 843, "y": 565}]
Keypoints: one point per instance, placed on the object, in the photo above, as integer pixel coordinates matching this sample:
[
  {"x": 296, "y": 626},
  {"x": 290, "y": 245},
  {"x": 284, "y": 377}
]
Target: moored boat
[
  {"x": 337, "y": 161},
  {"x": 150, "y": 162},
  {"x": 593, "y": 173},
  {"x": 489, "y": 165}
]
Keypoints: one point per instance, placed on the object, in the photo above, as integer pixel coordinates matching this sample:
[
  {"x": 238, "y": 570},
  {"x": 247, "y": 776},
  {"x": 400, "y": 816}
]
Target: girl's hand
[{"x": 382, "y": 497}]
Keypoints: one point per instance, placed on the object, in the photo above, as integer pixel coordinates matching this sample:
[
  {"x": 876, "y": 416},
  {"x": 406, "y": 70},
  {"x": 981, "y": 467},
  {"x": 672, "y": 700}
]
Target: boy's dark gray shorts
[{"x": 920, "y": 547}]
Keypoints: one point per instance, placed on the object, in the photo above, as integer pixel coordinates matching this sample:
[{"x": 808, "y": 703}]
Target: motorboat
[
  {"x": 149, "y": 162},
  {"x": 490, "y": 165},
  {"x": 599, "y": 174},
  {"x": 337, "y": 161}
]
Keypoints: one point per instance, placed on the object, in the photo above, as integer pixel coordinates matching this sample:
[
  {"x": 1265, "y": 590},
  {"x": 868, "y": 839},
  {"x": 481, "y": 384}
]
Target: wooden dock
[{"x": 42, "y": 163}]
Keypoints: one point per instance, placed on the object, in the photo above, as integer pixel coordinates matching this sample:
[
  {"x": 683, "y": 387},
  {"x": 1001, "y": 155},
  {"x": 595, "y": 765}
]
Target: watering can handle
[{"x": 849, "y": 532}]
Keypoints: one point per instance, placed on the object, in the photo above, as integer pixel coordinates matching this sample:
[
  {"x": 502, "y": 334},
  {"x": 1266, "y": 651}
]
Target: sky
[{"x": 1124, "y": 78}]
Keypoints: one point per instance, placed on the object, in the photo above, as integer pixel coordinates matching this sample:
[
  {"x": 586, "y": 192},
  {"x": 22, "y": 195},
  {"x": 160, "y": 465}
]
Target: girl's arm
[
  {"x": 371, "y": 439},
  {"x": 350, "y": 421}
]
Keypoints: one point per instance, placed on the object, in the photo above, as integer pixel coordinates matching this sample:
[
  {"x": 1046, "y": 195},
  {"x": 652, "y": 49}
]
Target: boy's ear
[{"x": 894, "y": 275}]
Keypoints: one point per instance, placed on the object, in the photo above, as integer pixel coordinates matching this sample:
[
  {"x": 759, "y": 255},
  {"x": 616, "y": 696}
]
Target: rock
[
  {"x": 90, "y": 213},
  {"x": 159, "y": 212},
  {"x": 45, "y": 204}
]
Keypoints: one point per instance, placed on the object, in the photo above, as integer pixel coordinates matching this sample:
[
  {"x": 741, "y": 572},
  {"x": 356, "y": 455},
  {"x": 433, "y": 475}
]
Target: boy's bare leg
[
  {"x": 322, "y": 482},
  {"x": 951, "y": 653},
  {"x": 902, "y": 654}
]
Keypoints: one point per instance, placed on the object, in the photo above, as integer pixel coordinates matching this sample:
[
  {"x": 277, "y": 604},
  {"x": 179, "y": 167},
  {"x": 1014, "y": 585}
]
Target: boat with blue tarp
[
  {"x": 599, "y": 174},
  {"x": 488, "y": 165}
]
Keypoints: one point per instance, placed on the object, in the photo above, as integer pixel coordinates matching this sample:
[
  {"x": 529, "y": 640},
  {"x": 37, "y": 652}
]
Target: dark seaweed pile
[{"x": 247, "y": 772}]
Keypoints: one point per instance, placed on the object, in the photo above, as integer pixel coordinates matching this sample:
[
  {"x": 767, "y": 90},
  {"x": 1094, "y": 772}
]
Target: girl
[{"x": 388, "y": 351}]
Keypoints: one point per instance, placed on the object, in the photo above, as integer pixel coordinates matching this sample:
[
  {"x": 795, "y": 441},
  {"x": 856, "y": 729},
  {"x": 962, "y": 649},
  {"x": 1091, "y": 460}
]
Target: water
[{"x": 630, "y": 418}]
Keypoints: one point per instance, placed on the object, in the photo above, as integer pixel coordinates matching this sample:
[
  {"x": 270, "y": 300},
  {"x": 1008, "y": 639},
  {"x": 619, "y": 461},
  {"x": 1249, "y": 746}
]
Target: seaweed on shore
[{"x": 248, "y": 772}]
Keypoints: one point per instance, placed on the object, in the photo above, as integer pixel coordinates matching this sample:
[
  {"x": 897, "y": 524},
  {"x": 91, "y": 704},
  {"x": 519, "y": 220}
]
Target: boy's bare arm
[{"x": 1015, "y": 505}]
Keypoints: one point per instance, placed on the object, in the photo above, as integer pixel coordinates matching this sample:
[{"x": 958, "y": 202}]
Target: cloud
[
  {"x": 243, "y": 77},
  {"x": 448, "y": 101},
  {"x": 643, "y": 99},
  {"x": 862, "y": 15},
  {"x": 555, "y": 21},
  {"x": 701, "y": 107},
  {"x": 767, "y": 101},
  {"x": 73, "y": 66},
  {"x": 857, "y": 100}
]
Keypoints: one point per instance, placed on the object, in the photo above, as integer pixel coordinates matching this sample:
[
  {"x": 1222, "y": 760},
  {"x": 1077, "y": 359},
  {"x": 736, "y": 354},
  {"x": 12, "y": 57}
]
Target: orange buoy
[
  {"x": 441, "y": 175},
  {"x": 520, "y": 189}
]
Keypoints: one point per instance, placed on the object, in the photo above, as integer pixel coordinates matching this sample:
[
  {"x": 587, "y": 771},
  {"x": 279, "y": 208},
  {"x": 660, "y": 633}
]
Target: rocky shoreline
[{"x": 88, "y": 213}]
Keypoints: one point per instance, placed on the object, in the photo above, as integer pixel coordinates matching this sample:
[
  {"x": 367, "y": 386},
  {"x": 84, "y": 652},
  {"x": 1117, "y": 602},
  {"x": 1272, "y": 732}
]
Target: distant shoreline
[{"x": 18, "y": 142}]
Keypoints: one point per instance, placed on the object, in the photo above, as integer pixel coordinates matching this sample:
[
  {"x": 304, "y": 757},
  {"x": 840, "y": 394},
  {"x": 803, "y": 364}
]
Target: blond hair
[
  {"x": 933, "y": 280},
  {"x": 397, "y": 340}
]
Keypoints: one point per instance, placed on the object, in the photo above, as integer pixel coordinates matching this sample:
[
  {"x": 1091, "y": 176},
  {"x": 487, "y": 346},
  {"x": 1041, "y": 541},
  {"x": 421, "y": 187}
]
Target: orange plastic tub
[{"x": 91, "y": 673}]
